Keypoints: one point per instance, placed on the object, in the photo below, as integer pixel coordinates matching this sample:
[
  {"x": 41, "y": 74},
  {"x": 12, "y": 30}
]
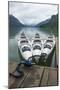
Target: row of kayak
[{"x": 36, "y": 48}]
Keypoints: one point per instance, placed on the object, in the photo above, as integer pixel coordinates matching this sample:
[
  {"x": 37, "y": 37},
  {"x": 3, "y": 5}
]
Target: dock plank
[
  {"x": 12, "y": 66},
  {"x": 52, "y": 80},
  {"x": 11, "y": 81},
  {"x": 57, "y": 52},
  {"x": 33, "y": 78},
  {"x": 14, "y": 82},
  {"x": 45, "y": 77},
  {"x": 18, "y": 81}
]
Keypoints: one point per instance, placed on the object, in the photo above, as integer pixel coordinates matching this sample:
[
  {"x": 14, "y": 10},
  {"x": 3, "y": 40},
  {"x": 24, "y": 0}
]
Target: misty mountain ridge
[
  {"x": 49, "y": 23},
  {"x": 14, "y": 22},
  {"x": 53, "y": 21},
  {"x": 43, "y": 22}
]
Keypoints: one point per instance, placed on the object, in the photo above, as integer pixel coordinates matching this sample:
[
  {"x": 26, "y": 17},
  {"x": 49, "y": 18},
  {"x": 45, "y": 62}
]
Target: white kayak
[
  {"x": 36, "y": 47},
  {"x": 25, "y": 48},
  {"x": 48, "y": 47}
]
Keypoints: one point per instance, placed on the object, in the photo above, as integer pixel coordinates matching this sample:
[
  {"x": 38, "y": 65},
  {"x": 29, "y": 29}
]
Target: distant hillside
[
  {"x": 14, "y": 25},
  {"x": 14, "y": 22},
  {"x": 43, "y": 23},
  {"x": 50, "y": 22},
  {"x": 54, "y": 21}
]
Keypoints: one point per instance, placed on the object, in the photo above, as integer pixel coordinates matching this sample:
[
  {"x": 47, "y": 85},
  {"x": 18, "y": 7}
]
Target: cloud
[{"x": 31, "y": 14}]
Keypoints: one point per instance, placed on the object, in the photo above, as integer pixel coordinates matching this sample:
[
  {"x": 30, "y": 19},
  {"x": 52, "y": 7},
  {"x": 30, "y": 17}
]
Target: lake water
[{"x": 30, "y": 33}]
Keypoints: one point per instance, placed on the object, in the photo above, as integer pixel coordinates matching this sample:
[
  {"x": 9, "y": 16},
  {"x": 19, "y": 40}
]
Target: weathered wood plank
[
  {"x": 16, "y": 81},
  {"x": 44, "y": 77},
  {"x": 52, "y": 80},
  {"x": 10, "y": 81},
  {"x": 33, "y": 78},
  {"x": 57, "y": 52},
  {"x": 12, "y": 67}
]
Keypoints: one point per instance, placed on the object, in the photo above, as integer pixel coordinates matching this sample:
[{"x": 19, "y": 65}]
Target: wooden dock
[
  {"x": 57, "y": 52},
  {"x": 34, "y": 76}
]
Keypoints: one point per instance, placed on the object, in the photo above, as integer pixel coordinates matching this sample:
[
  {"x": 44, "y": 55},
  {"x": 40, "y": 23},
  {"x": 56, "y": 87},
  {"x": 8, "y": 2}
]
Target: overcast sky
[{"x": 31, "y": 14}]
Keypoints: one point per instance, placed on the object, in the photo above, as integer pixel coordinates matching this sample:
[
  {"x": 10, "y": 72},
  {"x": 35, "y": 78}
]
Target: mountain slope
[
  {"x": 43, "y": 22},
  {"x": 14, "y": 26},
  {"x": 50, "y": 22},
  {"x": 14, "y": 22}
]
